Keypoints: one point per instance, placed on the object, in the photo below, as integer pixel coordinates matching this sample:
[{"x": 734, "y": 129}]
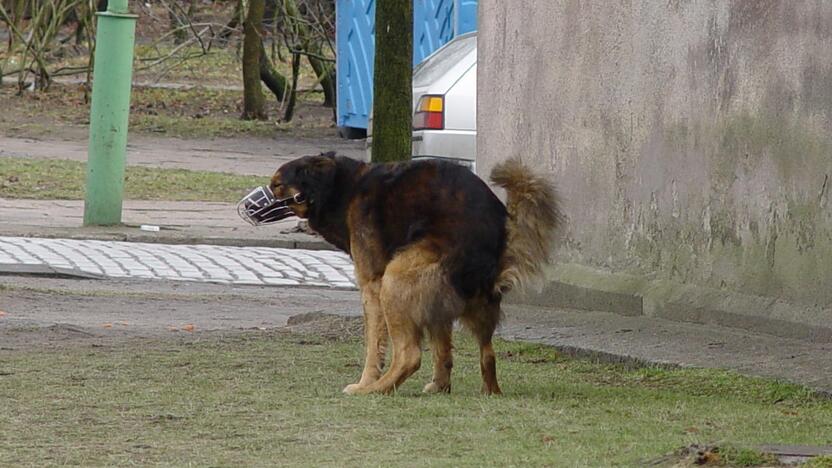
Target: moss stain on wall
[{"x": 769, "y": 240}]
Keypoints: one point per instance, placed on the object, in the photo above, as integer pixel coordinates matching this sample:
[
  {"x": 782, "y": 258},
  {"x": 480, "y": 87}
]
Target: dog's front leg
[{"x": 375, "y": 337}]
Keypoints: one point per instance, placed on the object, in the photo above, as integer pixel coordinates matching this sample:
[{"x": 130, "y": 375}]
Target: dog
[{"x": 432, "y": 244}]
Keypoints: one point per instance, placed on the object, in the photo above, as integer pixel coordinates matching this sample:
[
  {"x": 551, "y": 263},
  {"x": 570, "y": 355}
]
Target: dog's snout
[{"x": 260, "y": 207}]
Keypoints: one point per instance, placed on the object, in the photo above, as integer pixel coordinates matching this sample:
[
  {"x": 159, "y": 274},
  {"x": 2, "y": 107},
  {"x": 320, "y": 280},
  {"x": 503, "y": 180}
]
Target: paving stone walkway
[{"x": 209, "y": 263}]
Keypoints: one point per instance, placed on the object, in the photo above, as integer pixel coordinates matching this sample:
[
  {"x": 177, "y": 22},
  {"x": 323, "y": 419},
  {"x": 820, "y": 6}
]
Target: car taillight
[{"x": 430, "y": 113}]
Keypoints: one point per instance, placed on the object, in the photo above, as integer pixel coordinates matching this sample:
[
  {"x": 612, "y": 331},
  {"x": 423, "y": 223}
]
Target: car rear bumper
[
  {"x": 446, "y": 144},
  {"x": 472, "y": 165}
]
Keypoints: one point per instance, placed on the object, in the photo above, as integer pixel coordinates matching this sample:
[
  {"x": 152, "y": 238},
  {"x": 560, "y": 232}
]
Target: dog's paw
[
  {"x": 433, "y": 387},
  {"x": 353, "y": 389},
  {"x": 489, "y": 391}
]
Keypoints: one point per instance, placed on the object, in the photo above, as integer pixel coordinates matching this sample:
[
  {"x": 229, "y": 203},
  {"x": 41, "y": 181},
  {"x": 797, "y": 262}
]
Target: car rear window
[{"x": 443, "y": 60}]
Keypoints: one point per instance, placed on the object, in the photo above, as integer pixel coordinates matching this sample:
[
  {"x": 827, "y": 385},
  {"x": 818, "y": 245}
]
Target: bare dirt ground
[
  {"x": 181, "y": 130},
  {"x": 246, "y": 156},
  {"x": 38, "y": 312},
  {"x": 186, "y": 103}
]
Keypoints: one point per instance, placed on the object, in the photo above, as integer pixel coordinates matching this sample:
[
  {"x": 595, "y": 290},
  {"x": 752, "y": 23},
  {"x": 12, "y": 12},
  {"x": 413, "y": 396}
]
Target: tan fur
[
  {"x": 280, "y": 191},
  {"x": 443, "y": 361},
  {"x": 408, "y": 232},
  {"x": 364, "y": 247},
  {"x": 534, "y": 216},
  {"x": 481, "y": 322},
  {"x": 375, "y": 336},
  {"x": 411, "y": 294},
  {"x": 414, "y": 293}
]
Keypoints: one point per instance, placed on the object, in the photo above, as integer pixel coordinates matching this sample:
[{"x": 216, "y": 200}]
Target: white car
[{"x": 445, "y": 103}]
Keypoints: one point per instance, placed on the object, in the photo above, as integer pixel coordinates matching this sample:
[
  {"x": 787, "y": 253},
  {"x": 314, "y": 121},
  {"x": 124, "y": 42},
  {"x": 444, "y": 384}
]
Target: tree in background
[
  {"x": 310, "y": 22},
  {"x": 43, "y": 39},
  {"x": 304, "y": 27},
  {"x": 253, "y": 99},
  {"x": 392, "y": 89}
]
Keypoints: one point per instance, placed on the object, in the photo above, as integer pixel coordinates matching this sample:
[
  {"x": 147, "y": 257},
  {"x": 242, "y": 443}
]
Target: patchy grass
[
  {"x": 194, "y": 112},
  {"x": 741, "y": 456},
  {"x": 211, "y": 108},
  {"x": 48, "y": 179},
  {"x": 820, "y": 462},
  {"x": 166, "y": 63},
  {"x": 196, "y": 127},
  {"x": 220, "y": 66},
  {"x": 202, "y": 112},
  {"x": 274, "y": 398}
]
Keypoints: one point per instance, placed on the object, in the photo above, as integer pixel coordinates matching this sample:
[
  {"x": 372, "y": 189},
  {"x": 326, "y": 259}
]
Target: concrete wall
[{"x": 691, "y": 141}]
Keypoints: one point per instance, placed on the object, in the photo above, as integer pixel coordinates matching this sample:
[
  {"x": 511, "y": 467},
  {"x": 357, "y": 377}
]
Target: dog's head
[
  {"x": 298, "y": 188},
  {"x": 309, "y": 178}
]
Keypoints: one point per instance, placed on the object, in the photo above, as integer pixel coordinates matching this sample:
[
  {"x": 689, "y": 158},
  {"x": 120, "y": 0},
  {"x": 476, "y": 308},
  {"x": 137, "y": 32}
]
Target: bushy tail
[{"x": 533, "y": 217}]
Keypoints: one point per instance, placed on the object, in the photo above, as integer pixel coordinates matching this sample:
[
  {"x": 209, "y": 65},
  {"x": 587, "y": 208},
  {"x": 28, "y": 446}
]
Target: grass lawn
[
  {"x": 220, "y": 66},
  {"x": 273, "y": 398},
  {"x": 206, "y": 113},
  {"x": 188, "y": 113},
  {"x": 48, "y": 179}
]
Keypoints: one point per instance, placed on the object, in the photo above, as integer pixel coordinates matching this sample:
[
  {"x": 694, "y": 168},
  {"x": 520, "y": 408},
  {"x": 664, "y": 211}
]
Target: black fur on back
[{"x": 438, "y": 202}]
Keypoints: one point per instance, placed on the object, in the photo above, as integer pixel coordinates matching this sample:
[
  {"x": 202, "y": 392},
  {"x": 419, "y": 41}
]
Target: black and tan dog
[{"x": 431, "y": 244}]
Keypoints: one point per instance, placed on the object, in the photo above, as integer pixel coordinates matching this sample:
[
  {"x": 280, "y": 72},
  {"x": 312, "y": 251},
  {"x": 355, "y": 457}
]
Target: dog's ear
[{"x": 316, "y": 179}]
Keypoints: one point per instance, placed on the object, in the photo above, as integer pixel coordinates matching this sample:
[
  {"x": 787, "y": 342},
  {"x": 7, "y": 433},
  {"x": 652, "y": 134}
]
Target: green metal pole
[{"x": 109, "y": 114}]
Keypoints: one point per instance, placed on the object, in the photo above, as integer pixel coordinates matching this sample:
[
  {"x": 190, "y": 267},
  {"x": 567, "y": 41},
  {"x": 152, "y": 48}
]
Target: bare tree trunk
[
  {"x": 392, "y": 81},
  {"x": 175, "y": 23},
  {"x": 290, "y": 106},
  {"x": 80, "y": 26},
  {"x": 253, "y": 100},
  {"x": 324, "y": 72},
  {"x": 273, "y": 80},
  {"x": 180, "y": 13},
  {"x": 326, "y": 75},
  {"x": 232, "y": 23},
  {"x": 18, "y": 8}
]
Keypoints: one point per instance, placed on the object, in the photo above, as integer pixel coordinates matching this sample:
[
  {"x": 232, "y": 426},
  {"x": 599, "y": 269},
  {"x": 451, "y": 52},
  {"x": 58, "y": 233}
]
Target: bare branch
[{"x": 313, "y": 55}]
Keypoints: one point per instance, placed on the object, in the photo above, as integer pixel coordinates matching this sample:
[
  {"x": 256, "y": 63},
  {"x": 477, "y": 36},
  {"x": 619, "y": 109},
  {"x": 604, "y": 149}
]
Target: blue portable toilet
[{"x": 435, "y": 22}]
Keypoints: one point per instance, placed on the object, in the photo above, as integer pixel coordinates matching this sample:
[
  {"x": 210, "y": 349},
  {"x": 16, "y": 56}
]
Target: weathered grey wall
[{"x": 690, "y": 139}]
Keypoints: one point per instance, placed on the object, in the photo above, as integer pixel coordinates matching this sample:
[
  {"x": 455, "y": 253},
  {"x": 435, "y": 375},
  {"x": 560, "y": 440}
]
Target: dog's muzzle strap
[{"x": 261, "y": 207}]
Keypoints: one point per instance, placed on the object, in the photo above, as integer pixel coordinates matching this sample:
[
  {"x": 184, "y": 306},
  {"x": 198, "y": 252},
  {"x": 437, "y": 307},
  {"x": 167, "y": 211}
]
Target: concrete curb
[
  {"x": 577, "y": 287},
  {"x": 164, "y": 237},
  {"x": 567, "y": 286},
  {"x": 45, "y": 270},
  {"x": 576, "y": 334}
]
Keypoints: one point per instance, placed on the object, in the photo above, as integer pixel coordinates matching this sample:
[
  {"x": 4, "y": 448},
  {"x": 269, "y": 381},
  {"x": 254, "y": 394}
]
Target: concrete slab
[
  {"x": 254, "y": 156},
  {"x": 45, "y": 270},
  {"x": 179, "y": 222},
  {"x": 156, "y": 305},
  {"x": 655, "y": 341},
  {"x": 177, "y": 262}
]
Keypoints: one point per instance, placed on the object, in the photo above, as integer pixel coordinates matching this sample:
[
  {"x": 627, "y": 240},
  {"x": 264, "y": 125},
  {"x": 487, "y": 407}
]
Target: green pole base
[{"x": 109, "y": 115}]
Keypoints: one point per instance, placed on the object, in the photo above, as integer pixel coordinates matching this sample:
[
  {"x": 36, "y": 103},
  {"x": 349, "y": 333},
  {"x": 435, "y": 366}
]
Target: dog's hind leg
[
  {"x": 481, "y": 319},
  {"x": 440, "y": 338},
  {"x": 488, "y": 367},
  {"x": 413, "y": 294},
  {"x": 406, "y": 338},
  {"x": 375, "y": 336}
]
